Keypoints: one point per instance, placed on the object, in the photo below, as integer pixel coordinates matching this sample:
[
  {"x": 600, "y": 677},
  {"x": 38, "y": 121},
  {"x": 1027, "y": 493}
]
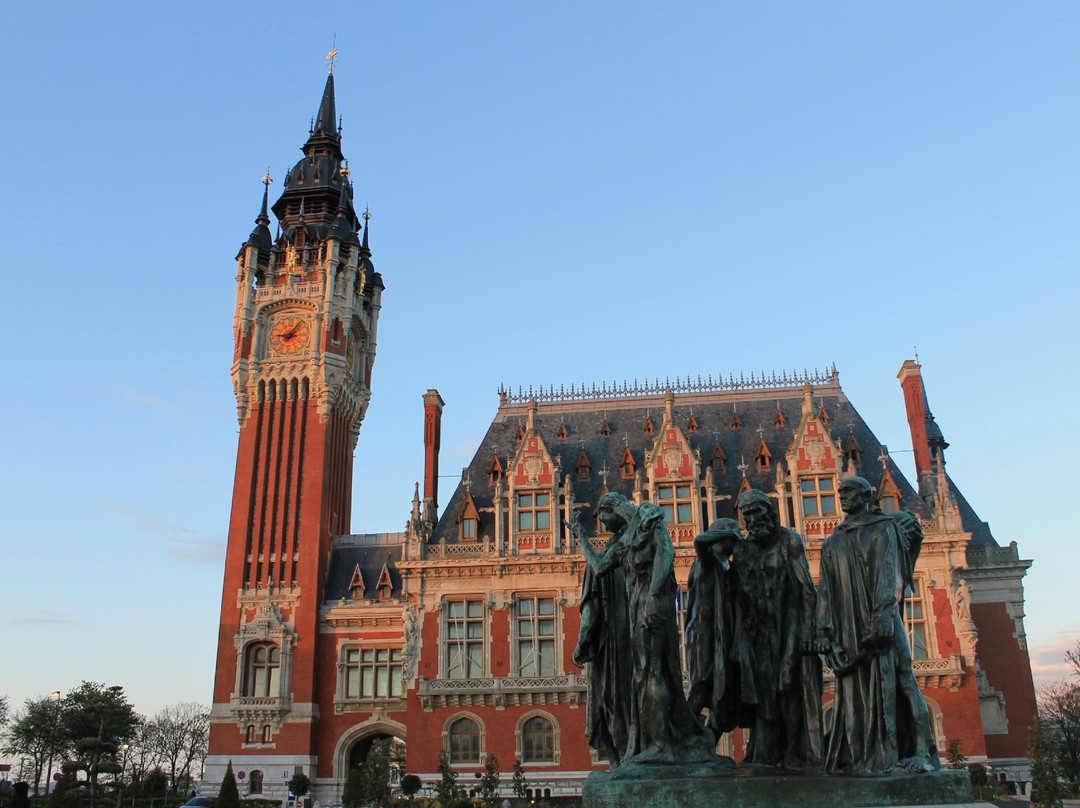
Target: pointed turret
[
  {"x": 316, "y": 191},
  {"x": 260, "y": 237}
]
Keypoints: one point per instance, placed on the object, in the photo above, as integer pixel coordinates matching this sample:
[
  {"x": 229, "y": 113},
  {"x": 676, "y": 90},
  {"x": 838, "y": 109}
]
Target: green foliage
[
  {"x": 97, "y": 719},
  {"x": 520, "y": 784},
  {"x": 447, "y": 788},
  {"x": 67, "y": 793},
  {"x": 372, "y": 789},
  {"x": 1046, "y": 785},
  {"x": 300, "y": 784},
  {"x": 228, "y": 794},
  {"x": 489, "y": 780},
  {"x": 353, "y": 794},
  {"x": 954, "y": 755},
  {"x": 410, "y": 784},
  {"x": 155, "y": 784},
  {"x": 35, "y": 733}
]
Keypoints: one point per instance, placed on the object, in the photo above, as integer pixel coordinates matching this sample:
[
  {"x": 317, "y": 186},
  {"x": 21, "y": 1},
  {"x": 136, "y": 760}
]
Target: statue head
[
  {"x": 759, "y": 513},
  {"x": 615, "y": 511},
  {"x": 855, "y": 495}
]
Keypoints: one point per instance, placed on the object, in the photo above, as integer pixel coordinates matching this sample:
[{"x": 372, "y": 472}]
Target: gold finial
[
  {"x": 266, "y": 178},
  {"x": 367, "y": 213},
  {"x": 330, "y": 56},
  {"x": 345, "y": 172}
]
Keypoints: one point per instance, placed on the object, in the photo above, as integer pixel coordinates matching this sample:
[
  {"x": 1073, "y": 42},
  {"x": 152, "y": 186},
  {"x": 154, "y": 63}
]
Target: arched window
[
  {"x": 464, "y": 741},
  {"x": 267, "y": 734},
  {"x": 249, "y": 736},
  {"x": 538, "y": 740},
  {"x": 255, "y": 779},
  {"x": 263, "y": 670}
]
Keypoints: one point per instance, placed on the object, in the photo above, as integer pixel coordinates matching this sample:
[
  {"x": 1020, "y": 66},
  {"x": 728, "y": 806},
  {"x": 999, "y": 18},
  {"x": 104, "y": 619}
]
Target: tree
[
  {"x": 410, "y": 784},
  {"x": 180, "y": 734},
  {"x": 375, "y": 775},
  {"x": 299, "y": 785},
  {"x": 35, "y": 732},
  {"x": 447, "y": 788},
  {"x": 352, "y": 796},
  {"x": 1046, "y": 788},
  {"x": 520, "y": 784},
  {"x": 1059, "y": 711},
  {"x": 228, "y": 794},
  {"x": 954, "y": 754},
  {"x": 96, "y": 720},
  {"x": 489, "y": 780},
  {"x": 3, "y": 710}
]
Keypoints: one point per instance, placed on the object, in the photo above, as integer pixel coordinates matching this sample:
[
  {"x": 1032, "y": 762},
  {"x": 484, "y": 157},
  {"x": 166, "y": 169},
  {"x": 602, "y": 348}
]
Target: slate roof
[
  {"x": 350, "y": 551},
  {"x": 713, "y": 411}
]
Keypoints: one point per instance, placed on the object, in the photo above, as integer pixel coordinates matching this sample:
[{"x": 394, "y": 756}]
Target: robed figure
[
  {"x": 750, "y": 636},
  {"x": 880, "y": 722},
  {"x": 661, "y": 729},
  {"x": 604, "y": 645}
]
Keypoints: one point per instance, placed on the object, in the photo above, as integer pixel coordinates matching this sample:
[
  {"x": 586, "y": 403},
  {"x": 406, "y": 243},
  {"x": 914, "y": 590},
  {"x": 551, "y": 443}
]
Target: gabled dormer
[
  {"x": 533, "y": 491},
  {"x": 385, "y": 586},
  {"x": 673, "y": 470},
  {"x": 356, "y": 584},
  {"x": 815, "y": 465},
  {"x": 469, "y": 520},
  {"x": 888, "y": 493}
]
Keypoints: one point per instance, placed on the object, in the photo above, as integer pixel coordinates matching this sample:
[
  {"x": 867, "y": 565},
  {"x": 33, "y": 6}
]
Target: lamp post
[
  {"x": 123, "y": 769},
  {"x": 54, "y": 697}
]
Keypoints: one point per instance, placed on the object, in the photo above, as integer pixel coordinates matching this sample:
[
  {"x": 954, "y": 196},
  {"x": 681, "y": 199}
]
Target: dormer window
[
  {"x": 520, "y": 436},
  {"x": 718, "y": 460},
  {"x": 385, "y": 587},
  {"x": 692, "y": 424},
  {"x": 562, "y": 434},
  {"x": 736, "y": 421},
  {"x": 468, "y": 520},
  {"x": 356, "y": 584},
  {"x": 818, "y": 496},
  {"x": 495, "y": 470},
  {"x": 605, "y": 429},
  {"x": 779, "y": 421},
  {"x": 628, "y": 465},
  {"x": 583, "y": 467},
  {"x": 534, "y": 511},
  {"x": 763, "y": 457},
  {"x": 853, "y": 451},
  {"x": 675, "y": 502},
  {"x": 649, "y": 426}
]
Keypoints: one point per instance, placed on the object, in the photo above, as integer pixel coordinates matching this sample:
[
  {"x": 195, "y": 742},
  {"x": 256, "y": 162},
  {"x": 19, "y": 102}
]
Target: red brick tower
[{"x": 307, "y": 308}]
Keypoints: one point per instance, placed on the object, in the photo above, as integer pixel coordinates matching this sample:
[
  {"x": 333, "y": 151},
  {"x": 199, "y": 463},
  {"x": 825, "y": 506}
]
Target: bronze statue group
[{"x": 758, "y": 632}]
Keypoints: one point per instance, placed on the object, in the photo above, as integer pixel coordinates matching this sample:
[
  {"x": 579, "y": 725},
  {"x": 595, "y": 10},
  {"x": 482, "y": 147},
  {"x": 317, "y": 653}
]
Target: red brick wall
[{"x": 1008, "y": 669}]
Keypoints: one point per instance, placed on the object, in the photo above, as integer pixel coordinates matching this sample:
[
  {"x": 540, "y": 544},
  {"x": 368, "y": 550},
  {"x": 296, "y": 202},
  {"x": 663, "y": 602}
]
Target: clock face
[{"x": 290, "y": 335}]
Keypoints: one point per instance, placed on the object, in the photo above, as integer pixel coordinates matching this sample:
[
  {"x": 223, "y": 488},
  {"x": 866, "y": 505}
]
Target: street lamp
[{"x": 54, "y": 697}]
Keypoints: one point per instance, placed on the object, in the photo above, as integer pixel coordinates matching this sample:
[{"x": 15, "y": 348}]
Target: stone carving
[
  {"x": 880, "y": 722},
  {"x": 411, "y": 650},
  {"x": 750, "y": 637},
  {"x": 660, "y": 728}
]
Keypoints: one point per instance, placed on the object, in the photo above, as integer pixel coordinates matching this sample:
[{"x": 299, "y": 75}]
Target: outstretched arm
[{"x": 599, "y": 563}]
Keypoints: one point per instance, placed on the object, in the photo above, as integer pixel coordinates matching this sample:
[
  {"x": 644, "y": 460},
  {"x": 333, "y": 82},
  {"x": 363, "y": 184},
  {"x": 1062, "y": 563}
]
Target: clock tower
[{"x": 304, "y": 328}]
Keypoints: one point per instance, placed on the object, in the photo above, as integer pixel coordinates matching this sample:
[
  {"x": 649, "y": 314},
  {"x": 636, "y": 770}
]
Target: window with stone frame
[
  {"x": 534, "y": 636},
  {"x": 372, "y": 673},
  {"x": 676, "y": 503},
  {"x": 889, "y": 503},
  {"x": 255, "y": 782},
  {"x": 267, "y": 733},
  {"x": 249, "y": 734},
  {"x": 464, "y": 639},
  {"x": 538, "y": 740},
  {"x": 534, "y": 511},
  {"x": 818, "y": 496},
  {"x": 915, "y": 620},
  {"x": 262, "y": 670},
  {"x": 463, "y": 740}
]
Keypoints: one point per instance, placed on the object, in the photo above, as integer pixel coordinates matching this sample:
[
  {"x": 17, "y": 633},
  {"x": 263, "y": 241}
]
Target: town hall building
[{"x": 457, "y": 634}]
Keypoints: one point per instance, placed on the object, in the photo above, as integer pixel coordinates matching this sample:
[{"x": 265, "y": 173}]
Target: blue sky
[{"x": 562, "y": 192}]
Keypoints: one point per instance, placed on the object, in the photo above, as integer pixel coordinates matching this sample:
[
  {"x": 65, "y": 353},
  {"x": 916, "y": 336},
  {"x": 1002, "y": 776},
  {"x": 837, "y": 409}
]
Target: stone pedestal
[{"x": 676, "y": 787}]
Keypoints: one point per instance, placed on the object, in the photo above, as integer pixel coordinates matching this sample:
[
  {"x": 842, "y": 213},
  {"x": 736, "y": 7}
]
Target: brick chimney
[
  {"x": 911, "y": 382},
  {"x": 433, "y": 407}
]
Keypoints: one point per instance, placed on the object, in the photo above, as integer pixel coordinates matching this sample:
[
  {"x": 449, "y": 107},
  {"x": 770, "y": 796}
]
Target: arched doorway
[{"x": 361, "y": 748}]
